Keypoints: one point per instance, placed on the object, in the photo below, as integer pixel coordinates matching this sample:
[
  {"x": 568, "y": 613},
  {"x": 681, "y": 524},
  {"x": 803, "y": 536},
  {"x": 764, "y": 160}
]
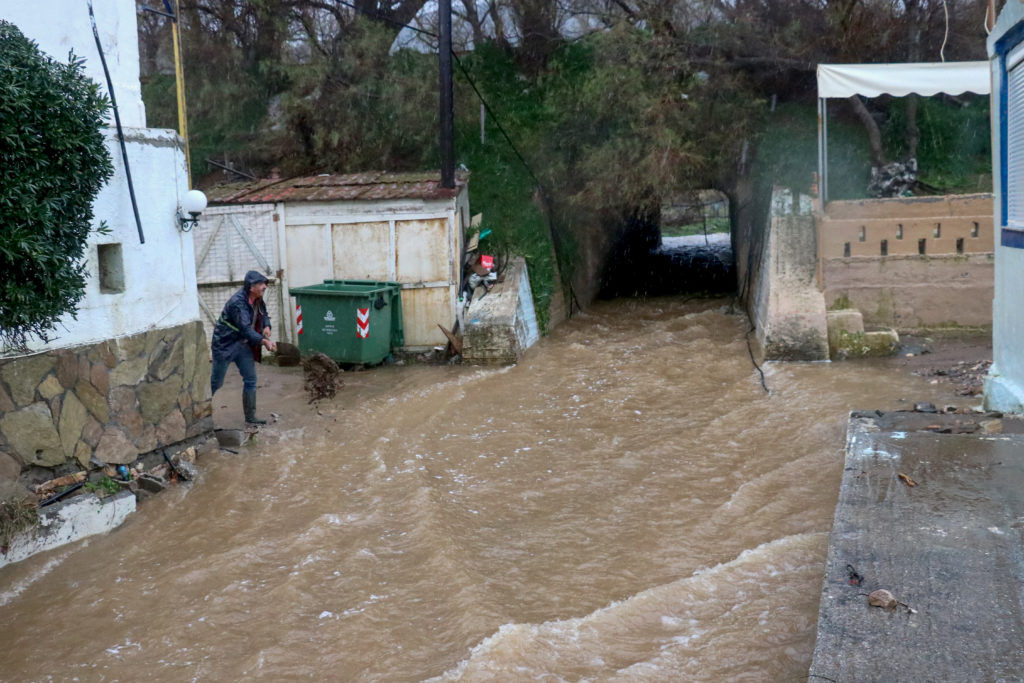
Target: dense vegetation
[
  {"x": 609, "y": 106},
  {"x": 54, "y": 162}
]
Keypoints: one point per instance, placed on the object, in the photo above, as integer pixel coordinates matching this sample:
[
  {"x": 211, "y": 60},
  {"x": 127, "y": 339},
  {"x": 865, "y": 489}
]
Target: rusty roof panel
[{"x": 366, "y": 186}]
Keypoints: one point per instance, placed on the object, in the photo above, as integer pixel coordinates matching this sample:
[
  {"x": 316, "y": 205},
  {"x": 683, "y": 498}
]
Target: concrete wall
[
  {"x": 499, "y": 326},
  {"x": 788, "y": 308},
  {"x": 58, "y": 26},
  {"x": 1004, "y": 389},
  {"x": 909, "y": 263}
]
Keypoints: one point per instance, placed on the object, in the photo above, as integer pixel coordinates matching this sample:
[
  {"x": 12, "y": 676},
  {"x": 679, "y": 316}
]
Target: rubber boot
[{"x": 249, "y": 408}]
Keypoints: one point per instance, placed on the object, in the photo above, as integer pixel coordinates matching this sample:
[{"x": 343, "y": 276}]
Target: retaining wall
[
  {"x": 109, "y": 402},
  {"x": 909, "y": 262}
]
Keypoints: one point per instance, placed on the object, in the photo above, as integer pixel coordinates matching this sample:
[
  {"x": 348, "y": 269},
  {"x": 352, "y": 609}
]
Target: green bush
[{"x": 53, "y": 162}]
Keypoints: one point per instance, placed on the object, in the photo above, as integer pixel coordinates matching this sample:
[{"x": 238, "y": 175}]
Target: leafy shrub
[{"x": 53, "y": 162}]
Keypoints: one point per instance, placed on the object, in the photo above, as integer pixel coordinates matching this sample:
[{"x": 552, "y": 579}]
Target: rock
[
  {"x": 129, "y": 348},
  {"x": 32, "y": 436},
  {"x": 23, "y": 375},
  {"x": 146, "y": 441},
  {"x": 115, "y": 447},
  {"x": 925, "y": 408},
  {"x": 10, "y": 468},
  {"x": 230, "y": 438},
  {"x": 166, "y": 359},
  {"x": 100, "y": 378},
  {"x": 189, "y": 352},
  {"x": 882, "y": 598},
  {"x": 130, "y": 372},
  {"x": 92, "y": 431},
  {"x": 93, "y": 400},
  {"x": 151, "y": 483},
  {"x": 50, "y": 388},
  {"x": 72, "y": 421},
  {"x": 6, "y": 404},
  {"x": 187, "y": 455},
  {"x": 83, "y": 454},
  {"x": 171, "y": 429},
  {"x": 185, "y": 469},
  {"x": 12, "y": 490},
  {"x": 156, "y": 399},
  {"x": 67, "y": 368}
]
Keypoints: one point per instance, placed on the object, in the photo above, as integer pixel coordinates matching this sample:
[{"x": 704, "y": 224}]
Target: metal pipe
[
  {"x": 117, "y": 123},
  {"x": 822, "y": 151}
]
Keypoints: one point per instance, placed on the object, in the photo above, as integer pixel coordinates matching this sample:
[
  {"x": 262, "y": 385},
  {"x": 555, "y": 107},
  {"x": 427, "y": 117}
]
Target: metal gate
[{"x": 229, "y": 241}]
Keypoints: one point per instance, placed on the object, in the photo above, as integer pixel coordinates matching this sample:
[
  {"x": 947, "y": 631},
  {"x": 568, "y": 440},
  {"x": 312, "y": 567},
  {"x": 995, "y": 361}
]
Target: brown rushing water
[{"x": 627, "y": 504}]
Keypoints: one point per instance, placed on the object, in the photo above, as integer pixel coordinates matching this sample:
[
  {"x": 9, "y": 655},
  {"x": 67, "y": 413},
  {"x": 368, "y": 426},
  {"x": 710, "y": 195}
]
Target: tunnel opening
[{"x": 682, "y": 247}]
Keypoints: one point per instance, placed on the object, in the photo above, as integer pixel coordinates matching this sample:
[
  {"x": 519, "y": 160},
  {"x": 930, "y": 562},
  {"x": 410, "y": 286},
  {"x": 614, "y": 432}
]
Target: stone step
[{"x": 848, "y": 339}]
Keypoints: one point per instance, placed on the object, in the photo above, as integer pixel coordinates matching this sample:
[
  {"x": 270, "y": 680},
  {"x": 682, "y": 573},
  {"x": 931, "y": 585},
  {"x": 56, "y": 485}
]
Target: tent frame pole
[{"x": 822, "y": 151}]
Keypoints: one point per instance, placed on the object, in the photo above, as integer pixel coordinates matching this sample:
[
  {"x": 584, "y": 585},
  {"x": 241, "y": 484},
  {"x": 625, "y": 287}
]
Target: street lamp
[{"x": 193, "y": 204}]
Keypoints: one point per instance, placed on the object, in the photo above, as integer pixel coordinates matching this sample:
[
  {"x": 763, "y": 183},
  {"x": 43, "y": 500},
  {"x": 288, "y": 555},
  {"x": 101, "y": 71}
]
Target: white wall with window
[
  {"x": 1004, "y": 388},
  {"x": 132, "y": 286}
]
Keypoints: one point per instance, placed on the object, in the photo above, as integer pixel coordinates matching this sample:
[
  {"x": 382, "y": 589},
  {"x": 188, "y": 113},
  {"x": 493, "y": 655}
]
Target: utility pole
[
  {"x": 179, "y": 77},
  {"x": 444, "y": 62}
]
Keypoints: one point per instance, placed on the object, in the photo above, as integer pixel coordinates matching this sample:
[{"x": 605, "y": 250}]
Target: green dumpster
[{"x": 350, "y": 321}]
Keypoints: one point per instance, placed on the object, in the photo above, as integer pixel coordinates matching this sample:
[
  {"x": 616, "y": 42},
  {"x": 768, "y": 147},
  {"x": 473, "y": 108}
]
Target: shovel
[{"x": 287, "y": 354}]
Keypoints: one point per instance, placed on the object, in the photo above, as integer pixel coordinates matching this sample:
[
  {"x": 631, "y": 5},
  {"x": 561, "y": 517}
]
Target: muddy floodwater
[{"x": 626, "y": 504}]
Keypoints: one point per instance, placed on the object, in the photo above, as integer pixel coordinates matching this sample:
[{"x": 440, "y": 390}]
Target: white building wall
[
  {"x": 159, "y": 276},
  {"x": 58, "y": 26},
  {"x": 1004, "y": 388}
]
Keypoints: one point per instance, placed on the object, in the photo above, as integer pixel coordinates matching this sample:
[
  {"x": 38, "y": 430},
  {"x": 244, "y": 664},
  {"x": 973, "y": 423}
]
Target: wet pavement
[{"x": 931, "y": 509}]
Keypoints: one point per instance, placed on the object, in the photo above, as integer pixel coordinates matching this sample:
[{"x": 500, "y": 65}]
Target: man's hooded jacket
[{"x": 236, "y": 328}]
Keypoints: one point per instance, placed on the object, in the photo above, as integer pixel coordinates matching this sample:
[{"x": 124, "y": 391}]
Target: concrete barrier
[{"x": 500, "y": 325}]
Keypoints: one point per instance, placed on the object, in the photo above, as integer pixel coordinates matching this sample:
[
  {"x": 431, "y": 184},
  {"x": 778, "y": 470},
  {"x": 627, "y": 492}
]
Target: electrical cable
[
  {"x": 754, "y": 361},
  {"x": 945, "y": 10},
  {"x": 117, "y": 123}
]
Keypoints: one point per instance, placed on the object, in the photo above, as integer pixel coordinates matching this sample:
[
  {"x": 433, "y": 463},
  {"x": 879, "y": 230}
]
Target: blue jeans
[{"x": 242, "y": 357}]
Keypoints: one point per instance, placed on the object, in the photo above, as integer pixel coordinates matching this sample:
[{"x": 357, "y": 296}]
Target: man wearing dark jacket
[{"x": 239, "y": 337}]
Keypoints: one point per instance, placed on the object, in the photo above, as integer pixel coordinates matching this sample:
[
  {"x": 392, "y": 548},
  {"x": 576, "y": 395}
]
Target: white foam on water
[
  {"x": 646, "y": 631},
  {"x": 20, "y": 586}
]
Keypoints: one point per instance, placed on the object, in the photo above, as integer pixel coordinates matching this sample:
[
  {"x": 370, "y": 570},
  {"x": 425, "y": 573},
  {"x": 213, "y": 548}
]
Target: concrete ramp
[{"x": 950, "y": 548}]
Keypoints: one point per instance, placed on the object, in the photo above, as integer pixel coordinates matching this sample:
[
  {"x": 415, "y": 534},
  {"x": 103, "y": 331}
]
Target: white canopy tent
[{"x": 899, "y": 80}]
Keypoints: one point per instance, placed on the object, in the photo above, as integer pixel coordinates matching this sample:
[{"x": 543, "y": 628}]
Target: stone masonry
[{"x": 104, "y": 403}]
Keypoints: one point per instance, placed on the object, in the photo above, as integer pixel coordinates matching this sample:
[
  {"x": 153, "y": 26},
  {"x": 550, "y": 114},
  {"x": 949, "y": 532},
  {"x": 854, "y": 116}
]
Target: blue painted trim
[
  {"x": 1004, "y": 127},
  {"x": 1008, "y": 237},
  {"x": 1009, "y": 40}
]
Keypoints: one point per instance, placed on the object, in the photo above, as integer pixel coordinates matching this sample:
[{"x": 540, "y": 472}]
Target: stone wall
[{"x": 110, "y": 402}]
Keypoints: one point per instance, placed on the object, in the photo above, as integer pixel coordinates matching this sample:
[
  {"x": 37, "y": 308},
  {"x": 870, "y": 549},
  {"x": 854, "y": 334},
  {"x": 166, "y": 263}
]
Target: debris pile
[
  {"x": 323, "y": 377},
  {"x": 967, "y": 375}
]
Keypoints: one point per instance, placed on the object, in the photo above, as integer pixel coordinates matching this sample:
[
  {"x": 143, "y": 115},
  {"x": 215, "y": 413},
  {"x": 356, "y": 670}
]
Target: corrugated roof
[{"x": 367, "y": 186}]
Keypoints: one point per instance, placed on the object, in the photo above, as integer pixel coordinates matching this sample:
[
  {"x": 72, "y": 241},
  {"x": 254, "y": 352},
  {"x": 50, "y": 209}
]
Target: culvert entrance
[{"x": 692, "y": 264}]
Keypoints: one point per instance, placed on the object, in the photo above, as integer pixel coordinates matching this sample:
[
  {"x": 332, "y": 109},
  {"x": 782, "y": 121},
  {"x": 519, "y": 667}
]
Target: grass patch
[{"x": 16, "y": 518}]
